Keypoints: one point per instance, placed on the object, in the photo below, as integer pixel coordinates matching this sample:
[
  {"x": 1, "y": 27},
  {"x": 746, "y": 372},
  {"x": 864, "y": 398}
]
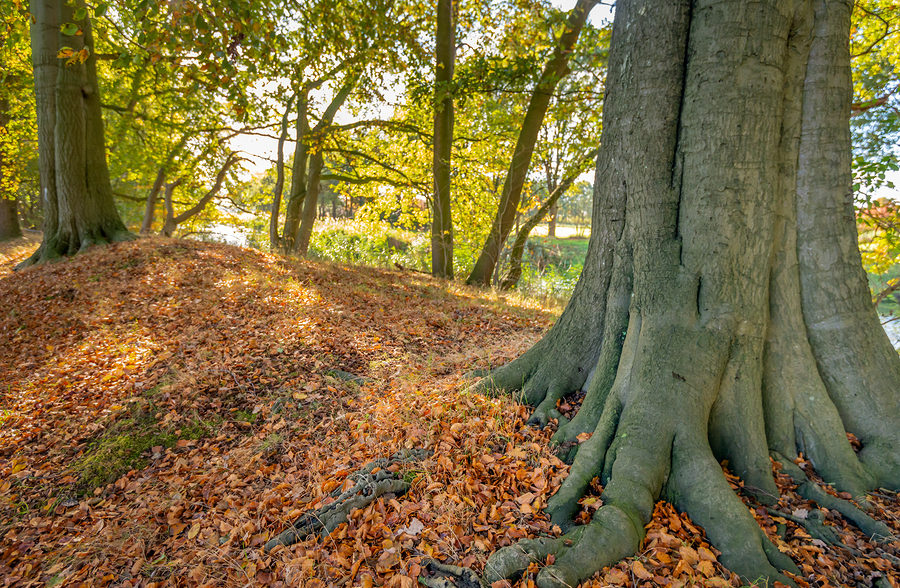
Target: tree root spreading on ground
[{"x": 369, "y": 483}]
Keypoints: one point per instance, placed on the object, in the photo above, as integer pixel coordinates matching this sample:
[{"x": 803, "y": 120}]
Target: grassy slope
[{"x": 165, "y": 410}]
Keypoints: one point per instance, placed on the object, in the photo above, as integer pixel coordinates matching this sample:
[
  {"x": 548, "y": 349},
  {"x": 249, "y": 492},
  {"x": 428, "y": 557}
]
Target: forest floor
[{"x": 166, "y": 408}]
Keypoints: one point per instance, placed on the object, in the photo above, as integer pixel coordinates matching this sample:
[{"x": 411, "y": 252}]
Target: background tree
[
  {"x": 556, "y": 68},
  {"x": 442, "y": 220},
  {"x": 78, "y": 204},
  {"x": 723, "y": 311},
  {"x": 18, "y": 136}
]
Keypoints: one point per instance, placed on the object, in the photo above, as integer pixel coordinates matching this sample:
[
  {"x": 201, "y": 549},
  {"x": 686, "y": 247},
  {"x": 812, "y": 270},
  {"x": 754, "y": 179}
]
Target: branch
[{"x": 220, "y": 178}]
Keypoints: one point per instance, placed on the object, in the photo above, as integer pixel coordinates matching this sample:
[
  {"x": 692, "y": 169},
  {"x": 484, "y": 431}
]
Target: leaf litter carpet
[{"x": 166, "y": 408}]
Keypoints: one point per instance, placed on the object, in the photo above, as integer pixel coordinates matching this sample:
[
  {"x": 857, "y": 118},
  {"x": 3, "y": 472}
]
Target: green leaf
[
  {"x": 101, "y": 9},
  {"x": 80, "y": 13},
  {"x": 70, "y": 29}
]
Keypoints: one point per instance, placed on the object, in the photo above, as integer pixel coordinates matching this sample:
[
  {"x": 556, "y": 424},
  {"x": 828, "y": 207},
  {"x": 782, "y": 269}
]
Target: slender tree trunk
[
  {"x": 298, "y": 175},
  {"x": 722, "y": 297},
  {"x": 442, "y": 221},
  {"x": 551, "y": 224},
  {"x": 316, "y": 163},
  {"x": 556, "y": 69},
  {"x": 152, "y": 197},
  {"x": 169, "y": 222},
  {"x": 515, "y": 256},
  {"x": 9, "y": 218},
  {"x": 274, "y": 239},
  {"x": 77, "y": 196}
]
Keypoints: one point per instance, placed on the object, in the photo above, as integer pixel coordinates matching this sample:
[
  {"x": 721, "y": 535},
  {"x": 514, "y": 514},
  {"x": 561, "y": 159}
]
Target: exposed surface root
[
  {"x": 875, "y": 530},
  {"x": 540, "y": 377},
  {"x": 449, "y": 576},
  {"x": 63, "y": 245},
  {"x": 369, "y": 482}
]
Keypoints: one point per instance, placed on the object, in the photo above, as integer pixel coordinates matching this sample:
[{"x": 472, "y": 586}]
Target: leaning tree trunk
[
  {"x": 722, "y": 310},
  {"x": 172, "y": 220},
  {"x": 556, "y": 69},
  {"x": 316, "y": 165},
  {"x": 75, "y": 186},
  {"x": 514, "y": 273}
]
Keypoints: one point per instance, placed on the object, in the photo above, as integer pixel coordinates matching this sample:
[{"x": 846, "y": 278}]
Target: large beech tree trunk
[
  {"x": 556, "y": 69},
  {"x": 442, "y": 220},
  {"x": 78, "y": 204},
  {"x": 723, "y": 312}
]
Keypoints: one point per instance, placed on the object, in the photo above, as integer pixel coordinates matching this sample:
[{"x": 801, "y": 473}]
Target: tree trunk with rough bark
[
  {"x": 75, "y": 187},
  {"x": 555, "y": 70},
  {"x": 723, "y": 313},
  {"x": 442, "y": 220}
]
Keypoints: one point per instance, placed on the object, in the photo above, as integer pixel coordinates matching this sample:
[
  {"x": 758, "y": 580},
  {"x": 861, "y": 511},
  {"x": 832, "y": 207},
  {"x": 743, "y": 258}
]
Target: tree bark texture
[
  {"x": 9, "y": 220},
  {"x": 723, "y": 313},
  {"x": 442, "y": 221},
  {"x": 556, "y": 69},
  {"x": 75, "y": 187}
]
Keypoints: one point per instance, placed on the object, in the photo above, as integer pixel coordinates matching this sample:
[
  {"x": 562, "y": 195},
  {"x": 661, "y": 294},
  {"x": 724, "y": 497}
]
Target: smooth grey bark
[
  {"x": 858, "y": 364},
  {"x": 75, "y": 187},
  {"x": 274, "y": 239},
  {"x": 316, "y": 164},
  {"x": 554, "y": 71},
  {"x": 442, "y": 220},
  {"x": 172, "y": 220},
  {"x": 733, "y": 309}
]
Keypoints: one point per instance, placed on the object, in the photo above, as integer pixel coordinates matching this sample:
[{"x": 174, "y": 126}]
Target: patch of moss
[
  {"x": 127, "y": 440},
  {"x": 245, "y": 416}
]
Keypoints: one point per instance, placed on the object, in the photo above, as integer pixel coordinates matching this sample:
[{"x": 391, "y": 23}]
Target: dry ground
[{"x": 165, "y": 409}]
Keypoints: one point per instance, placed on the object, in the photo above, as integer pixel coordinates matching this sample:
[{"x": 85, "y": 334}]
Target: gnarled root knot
[{"x": 369, "y": 482}]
